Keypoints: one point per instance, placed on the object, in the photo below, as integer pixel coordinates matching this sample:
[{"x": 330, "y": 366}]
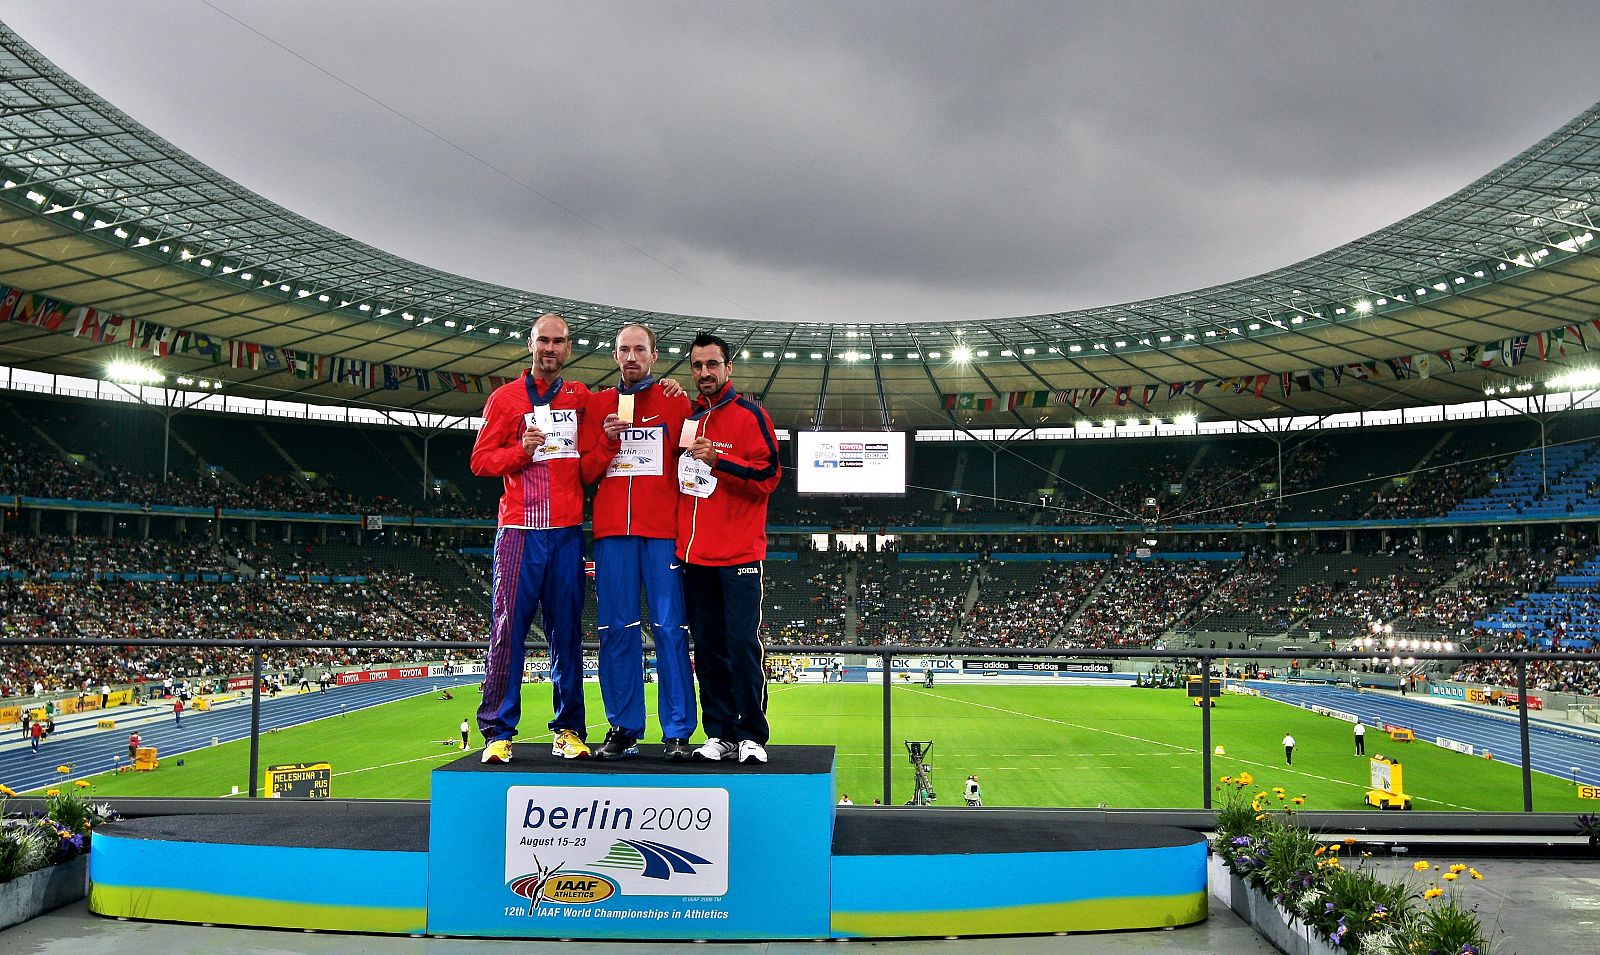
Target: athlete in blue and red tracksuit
[
  {"x": 634, "y": 461},
  {"x": 531, "y": 440},
  {"x": 726, "y": 477}
]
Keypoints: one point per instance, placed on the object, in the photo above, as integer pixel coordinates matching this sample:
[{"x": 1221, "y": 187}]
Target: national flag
[
  {"x": 207, "y": 346},
  {"x": 1066, "y": 396},
  {"x": 1322, "y": 382},
  {"x": 1261, "y": 384},
  {"x": 391, "y": 378},
  {"x": 164, "y": 341},
  {"x": 1122, "y": 395},
  {"x": 1338, "y": 375},
  {"x": 477, "y": 383},
  {"x": 1149, "y": 393},
  {"x": 1174, "y": 389},
  {"x": 271, "y": 358},
  {"x": 87, "y": 321},
  {"x": 1195, "y": 386},
  {"x": 1223, "y": 384},
  {"x": 1397, "y": 369},
  {"x": 1488, "y": 354},
  {"x": 1095, "y": 394},
  {"x": 1302, "y": 379},
  {"x": 51, "y": 314},
  {"x": 8, "y": 304},
  {"x": 26, "y": 305},
  {"x": 1575, "y": 334},
  {"x": 1512, "y": 352},
  {"x": 1286, "y": 383},
  {"x": 1448, "y": 356},
  {"x": 1422, "y": 364}
]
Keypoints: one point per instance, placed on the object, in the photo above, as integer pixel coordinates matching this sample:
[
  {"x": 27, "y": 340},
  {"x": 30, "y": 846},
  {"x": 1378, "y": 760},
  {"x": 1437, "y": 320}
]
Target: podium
[
  {"x": 645, "y": 849},
  {"x": 543, "y": 847}
]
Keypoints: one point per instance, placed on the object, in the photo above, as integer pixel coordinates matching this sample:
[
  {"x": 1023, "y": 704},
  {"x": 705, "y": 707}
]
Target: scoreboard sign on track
[{"x": 299, "y": 781}]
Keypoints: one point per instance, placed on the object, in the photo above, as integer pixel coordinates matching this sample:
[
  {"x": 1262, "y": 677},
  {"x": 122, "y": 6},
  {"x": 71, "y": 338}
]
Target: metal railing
[{"x": 1204, "y": 658}]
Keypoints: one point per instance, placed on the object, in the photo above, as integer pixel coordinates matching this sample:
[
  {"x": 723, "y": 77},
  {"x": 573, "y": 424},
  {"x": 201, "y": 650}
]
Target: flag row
[
  {"x": 1506, "y": 353},
  {"x": 164, "y": 340}
]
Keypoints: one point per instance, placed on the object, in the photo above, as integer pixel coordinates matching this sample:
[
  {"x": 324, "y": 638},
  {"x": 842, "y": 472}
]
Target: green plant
[
  {"x": 24, "y": 848},
  {"x": 68, "y": 810}
]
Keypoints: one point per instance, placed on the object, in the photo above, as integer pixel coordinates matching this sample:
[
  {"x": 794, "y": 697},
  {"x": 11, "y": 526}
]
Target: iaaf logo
[{"x": 564, "y": 888}]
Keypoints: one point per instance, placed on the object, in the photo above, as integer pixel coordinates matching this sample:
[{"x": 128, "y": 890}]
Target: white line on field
[{"x": 1187, "y": 749}]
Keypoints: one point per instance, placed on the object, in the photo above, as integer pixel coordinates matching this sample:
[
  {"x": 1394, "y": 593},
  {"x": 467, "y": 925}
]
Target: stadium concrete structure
[{"x": 111, "y": 238}]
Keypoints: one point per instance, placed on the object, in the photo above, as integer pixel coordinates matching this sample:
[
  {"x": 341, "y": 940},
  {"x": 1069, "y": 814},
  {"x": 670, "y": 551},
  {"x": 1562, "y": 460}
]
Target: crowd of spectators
[
  {"x": 37, "y": 472},
  {"x": 1449, "y": 479},
  {"x": 1140, "y": 600},
  {"x": 1028, "y": 608},
  {"x": 909, "y": 603},
  {"x": 55, "y": 587}
]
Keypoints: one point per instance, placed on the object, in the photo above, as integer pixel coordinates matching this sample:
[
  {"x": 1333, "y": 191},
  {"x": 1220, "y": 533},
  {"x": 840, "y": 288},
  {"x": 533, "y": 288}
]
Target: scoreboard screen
[
  {"x": 299, "y": 781},
  {"x": 1195, "y": 689},
  {"x": 850, "y": 462}
]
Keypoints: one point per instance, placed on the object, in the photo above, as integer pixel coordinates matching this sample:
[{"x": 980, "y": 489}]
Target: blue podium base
[{"x": 786, "y": 865}]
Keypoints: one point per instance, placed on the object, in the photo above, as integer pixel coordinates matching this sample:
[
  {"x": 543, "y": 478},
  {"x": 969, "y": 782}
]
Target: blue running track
[
  {"x": 90, "y": 753},
  {"x": 1554, "y": 751}
]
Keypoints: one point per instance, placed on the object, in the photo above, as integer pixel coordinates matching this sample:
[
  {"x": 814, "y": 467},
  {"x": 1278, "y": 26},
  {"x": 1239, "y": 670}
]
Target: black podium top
[{"x": 536, "y": 758}]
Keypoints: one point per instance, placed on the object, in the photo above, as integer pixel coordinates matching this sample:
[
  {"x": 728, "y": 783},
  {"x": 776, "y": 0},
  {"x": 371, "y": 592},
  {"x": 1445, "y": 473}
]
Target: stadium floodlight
[
  {"x": 133, "y": 373},
  {"x": 961, "y": 354},
  {"x": 1578, "y": 378},
  {"x": 1186, "y": 420},
  {"x": 1109, "y": 424},
  {"x": 1363, "y": 307}
]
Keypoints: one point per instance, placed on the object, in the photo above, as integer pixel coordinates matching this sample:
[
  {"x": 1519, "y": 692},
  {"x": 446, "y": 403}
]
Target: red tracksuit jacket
[
  {"x": 730, "y": 526},
  {"x": 627, "y": 503},
  {"x": 538, "y": 494}
]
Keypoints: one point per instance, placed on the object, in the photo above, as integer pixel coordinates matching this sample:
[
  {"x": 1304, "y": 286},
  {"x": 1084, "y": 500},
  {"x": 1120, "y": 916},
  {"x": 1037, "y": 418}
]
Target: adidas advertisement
[{"x": 578, "y": 847}]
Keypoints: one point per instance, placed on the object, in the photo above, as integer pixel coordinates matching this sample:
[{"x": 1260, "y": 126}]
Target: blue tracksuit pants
[
  {"x": 622, "y": 567},
  {"x": 533, "y": 569}
]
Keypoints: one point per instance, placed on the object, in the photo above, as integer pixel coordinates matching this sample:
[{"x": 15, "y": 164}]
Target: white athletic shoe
[
  {"x": 751, "y": 751},
  {"x": 716, "y": 750}
]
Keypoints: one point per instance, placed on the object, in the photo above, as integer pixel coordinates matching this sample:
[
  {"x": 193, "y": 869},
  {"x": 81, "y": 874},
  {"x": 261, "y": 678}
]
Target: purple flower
[
  {"x": 1468, "y": 949},
  {"x": 1327, "y": 907},
  {"x": 1338, "y": 933},
  {"x": 1241, "y": 840}
]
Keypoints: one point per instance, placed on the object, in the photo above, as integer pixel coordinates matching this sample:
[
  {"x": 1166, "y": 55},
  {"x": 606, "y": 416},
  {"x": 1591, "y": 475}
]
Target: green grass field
[{"x": 1030, "y": 746}]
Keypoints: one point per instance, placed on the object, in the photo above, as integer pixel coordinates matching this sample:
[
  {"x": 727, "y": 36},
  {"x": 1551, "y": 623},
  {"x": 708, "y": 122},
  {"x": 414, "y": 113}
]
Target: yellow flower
[
  {"x": 52, "y": 792},
  {"x": 1301, "y": 801},
  {"x": 1277, "y": 789},
  {"x": 1246, "y": 779},
  {"x": 1420, "y": 866},
  {"x": 83, "y": 784},
  {"x": 1320, "y": 850},
  {"x": 1449, "y": 877},
  {"x": 1458, "y": 867},
  {"x": 1227, "y": 779},
  {"x": 63, "y": 770},
  {"x": 1475, "y": 873},
  {"x": 7, "y": 790},
  {"x": 1260, "y": 816},
  {"x": 1350, "y": 841},
  {"x": 1433, "y": 893}
]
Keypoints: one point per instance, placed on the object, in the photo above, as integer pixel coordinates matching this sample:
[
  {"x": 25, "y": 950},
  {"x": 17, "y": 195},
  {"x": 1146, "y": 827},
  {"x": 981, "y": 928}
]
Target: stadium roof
[{"x": 98, "y": 211}]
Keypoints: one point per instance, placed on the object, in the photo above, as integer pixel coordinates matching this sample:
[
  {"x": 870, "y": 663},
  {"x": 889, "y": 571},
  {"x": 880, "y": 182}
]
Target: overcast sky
[{"x": 840, "y": 160}]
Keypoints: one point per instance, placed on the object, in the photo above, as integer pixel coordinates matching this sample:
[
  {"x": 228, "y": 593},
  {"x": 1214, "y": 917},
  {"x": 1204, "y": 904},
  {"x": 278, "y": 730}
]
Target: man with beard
[
  {"x": 726, "y": 475},
  {"x": 530, "y": 441},
  {"x": 631, "y": 433}
]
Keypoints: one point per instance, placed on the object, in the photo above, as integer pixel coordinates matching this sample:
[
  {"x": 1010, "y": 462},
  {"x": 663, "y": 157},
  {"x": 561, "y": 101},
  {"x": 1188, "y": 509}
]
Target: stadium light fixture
[
  {"x": 961, "y": 354},
  {"x": 1579, "y": 378},
  {"x": 1186, "y": 420},
  {"x": 133, "y": 373},
  {"x": 1109, "y": 424},
  {"x": 77, "y": 214}
]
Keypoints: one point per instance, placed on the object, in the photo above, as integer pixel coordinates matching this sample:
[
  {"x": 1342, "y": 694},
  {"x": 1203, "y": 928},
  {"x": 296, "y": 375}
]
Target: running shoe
[
  {"x": 618, "y": 745},
  {"x": 675, "y": 749},
  {"x": 715, "y": 750},
  {"x": 569, "y": 745},
  {"x": 751, "y": 751},
  {"x": 498, "y": 751}
]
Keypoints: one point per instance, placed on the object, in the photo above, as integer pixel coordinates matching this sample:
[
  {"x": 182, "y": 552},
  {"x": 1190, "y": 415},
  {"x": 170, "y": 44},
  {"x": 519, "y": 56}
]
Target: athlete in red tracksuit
[
  {"x": 634, "y": 460},
  {"x": 726, "y": 477},
  {"x": 531, "y": 440}
]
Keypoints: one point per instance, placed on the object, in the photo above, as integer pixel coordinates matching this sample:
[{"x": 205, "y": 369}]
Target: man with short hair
[
  {"x": 1288, "y": 750},
  {"x": 727, "y": 474},
  {"x": 530, "y": 440},
  {"x": 1361, "y": 738},
  {"x": 631, "y": 434}
]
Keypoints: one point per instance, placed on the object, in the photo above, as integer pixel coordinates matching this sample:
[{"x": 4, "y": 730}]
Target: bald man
[{"x": 530, "y": 440}]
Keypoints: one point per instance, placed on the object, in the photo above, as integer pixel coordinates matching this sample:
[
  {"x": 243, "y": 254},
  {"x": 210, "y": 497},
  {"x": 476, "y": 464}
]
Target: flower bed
[
  {"x": 1298, "y": 891},
  {"x": 43, "y": 854}
]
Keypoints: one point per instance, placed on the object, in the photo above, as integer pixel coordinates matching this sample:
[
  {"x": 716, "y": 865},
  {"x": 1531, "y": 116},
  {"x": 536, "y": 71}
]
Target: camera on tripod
[{"x": 922, "y": 793}]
